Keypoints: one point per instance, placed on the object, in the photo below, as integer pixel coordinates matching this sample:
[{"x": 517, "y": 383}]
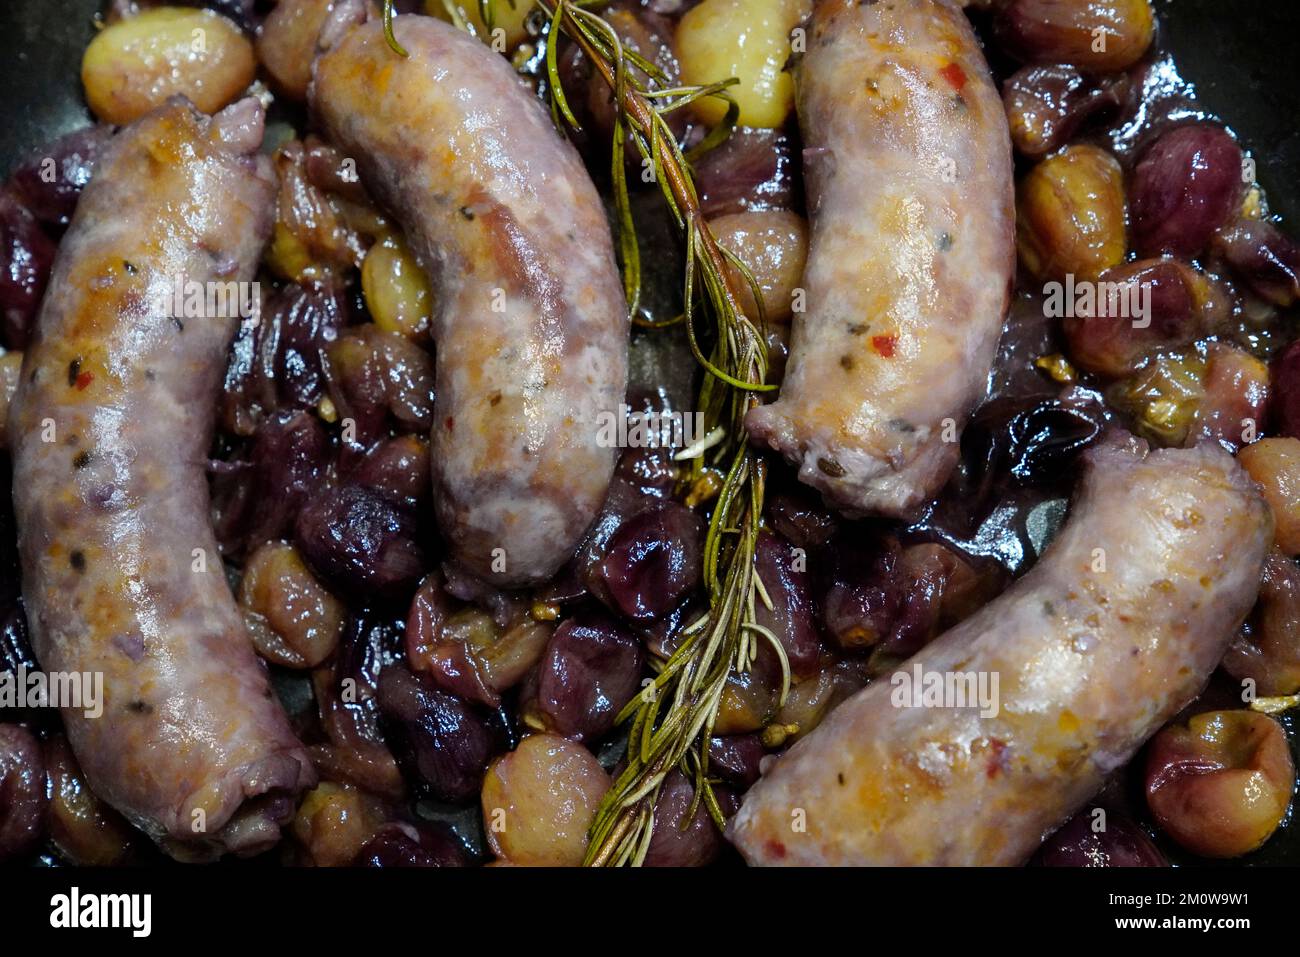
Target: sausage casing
[
  {"x": 908, "y": 168},
  {"x": 110, "y": 429},
  {"x": 531, "y": 327},
  {"x": 1115, "y": 630}
]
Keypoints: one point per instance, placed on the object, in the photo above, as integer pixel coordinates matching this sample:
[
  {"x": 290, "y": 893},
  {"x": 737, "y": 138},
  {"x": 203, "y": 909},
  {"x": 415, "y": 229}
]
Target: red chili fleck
[
  {"x": 995, "y": 759},
  {"x": 884, "y": 345},
  {"x": 450, "y": 423},
  {"x": 955, "y": 76},
  {"x": 84, "y": 379},
  {"x": 775, "y": 848}
]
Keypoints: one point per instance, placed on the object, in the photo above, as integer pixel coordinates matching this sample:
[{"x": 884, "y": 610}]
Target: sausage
[
  {"x": 110, "y": 428},
  {"x": 531, "y": 327},
  {"x": 1115, "y": 630},
  {"x": 908, "y": 170}
]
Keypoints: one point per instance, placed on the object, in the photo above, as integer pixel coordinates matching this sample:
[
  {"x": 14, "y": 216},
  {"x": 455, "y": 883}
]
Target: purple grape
[
  {"x": 361, "y": 544},
  {"x": 444, "y": 742},
  {"x": 26, "y": 258},
  {"x": 591, "y": 669},
  {"x": 652, "y": 561},
  {"x": 1121, "y": 844},
  {"x": 50, "y": 181},
  {"x": 22, "y": 791},
  {"x": 1186, "y": 185},
  {"x": 405, "y": 844}
]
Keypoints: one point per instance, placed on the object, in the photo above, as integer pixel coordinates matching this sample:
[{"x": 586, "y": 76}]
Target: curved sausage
[
  {"x": 531, "y": 328},
  {"x": 110, "y": 428},
  {"x": 908, "y": 167},
  {"x": 1115, "y": 630}
]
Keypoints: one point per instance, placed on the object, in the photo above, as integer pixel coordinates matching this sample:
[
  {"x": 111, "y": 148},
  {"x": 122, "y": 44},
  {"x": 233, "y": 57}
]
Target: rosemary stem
[{"x": 678, "y": 179}]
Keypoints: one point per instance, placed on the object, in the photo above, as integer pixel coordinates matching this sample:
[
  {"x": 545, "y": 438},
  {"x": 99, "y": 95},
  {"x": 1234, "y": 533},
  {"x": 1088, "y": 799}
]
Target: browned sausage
[
  {"x": 908, "y": 166},
  {"x": 531, "y": 329},
  {"x": 110, "y": 429},
  {"x": 1113, "y": 632}
]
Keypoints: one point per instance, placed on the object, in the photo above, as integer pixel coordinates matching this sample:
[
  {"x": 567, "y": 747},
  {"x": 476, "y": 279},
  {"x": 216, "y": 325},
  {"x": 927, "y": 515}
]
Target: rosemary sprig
[
  {"x": 726, "y": 637},
  {"x": 694, "y": 677}
]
